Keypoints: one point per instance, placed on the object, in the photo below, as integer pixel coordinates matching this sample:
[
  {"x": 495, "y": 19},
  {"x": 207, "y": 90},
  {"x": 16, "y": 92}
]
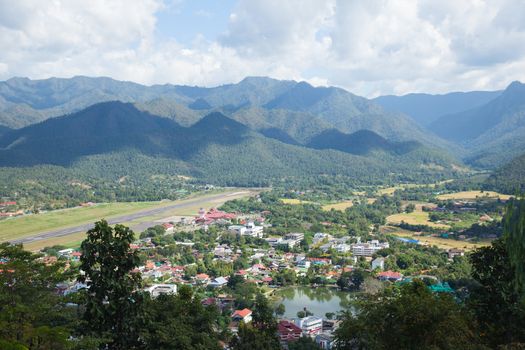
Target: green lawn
[{"x": 26, "y": 225}]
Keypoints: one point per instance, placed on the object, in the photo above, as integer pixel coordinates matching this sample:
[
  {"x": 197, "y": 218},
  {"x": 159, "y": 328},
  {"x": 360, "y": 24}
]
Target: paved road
[{"x": 126, "y": 218}]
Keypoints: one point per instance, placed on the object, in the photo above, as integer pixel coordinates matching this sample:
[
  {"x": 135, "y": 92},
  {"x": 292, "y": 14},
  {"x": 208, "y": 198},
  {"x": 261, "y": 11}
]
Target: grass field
[
  {"x": 442, "y": 243},
  {"x": 417, "y": 217},
  {"x": 26, "y": 225},
  {"x": 338, "y": 206},
  {"x": 294, "y": 201},
  {"x": 473, "y": 195},
  {"x": 389, "y": 191}
]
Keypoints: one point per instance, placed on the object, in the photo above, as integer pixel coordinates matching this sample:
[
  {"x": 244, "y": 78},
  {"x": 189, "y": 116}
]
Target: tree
[
  {"x": 113, "y": 303},
  {"x": 303, "y": 343},
  {"x": 179, "y": 322},
  {"x": 514, "y": 233},
  {"x": 413, "y": 318},
  {"x": 251, "y": 338},
  {"x": 351, "y": 280},
  {"x": 280, "y": 310},
  {"x": 31, "y": 314},
  {"x": 495, "y": 301},
  {"x": 263, "y": 315}
]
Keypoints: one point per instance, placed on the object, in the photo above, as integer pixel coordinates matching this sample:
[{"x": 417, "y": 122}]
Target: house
[
  {"x": 325, "y": 340},
  {"x": 218, "y": 282},
  {"x": 244, "y": 315},
  {"x": 288, "y": 331},
  {"x": 202, "y": 278},
  {"x": 274, "y": 241},
  {"x": 168, "y": 227},
  {"x": 389, "y": 276},
  {"x": 310, "y": 325},
  {"x": 378, "y": 263},
  {"x": 453, "y": 252},
  {"x": 158, "y": 289}
]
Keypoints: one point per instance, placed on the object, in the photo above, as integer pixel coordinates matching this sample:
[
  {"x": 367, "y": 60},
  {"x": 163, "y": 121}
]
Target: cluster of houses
[{"x": 7, "y": 209}]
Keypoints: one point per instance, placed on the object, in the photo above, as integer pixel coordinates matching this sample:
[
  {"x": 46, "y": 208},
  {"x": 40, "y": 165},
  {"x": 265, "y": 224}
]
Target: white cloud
[{"x": 369, "y": 47}]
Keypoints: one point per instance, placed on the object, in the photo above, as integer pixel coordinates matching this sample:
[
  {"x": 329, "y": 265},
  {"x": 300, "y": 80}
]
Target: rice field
[{"x": 471, "y": 195}]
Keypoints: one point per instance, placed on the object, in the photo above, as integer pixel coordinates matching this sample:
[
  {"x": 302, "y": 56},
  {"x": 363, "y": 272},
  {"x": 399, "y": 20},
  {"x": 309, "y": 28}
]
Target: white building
[
  {"x": 250, "y": 229},
  {"x": 311, "y": 325},
  {"x": 378, "y": 263},
  {"x": 158, "y": 289},
  {"x": 368, "y": 248}
]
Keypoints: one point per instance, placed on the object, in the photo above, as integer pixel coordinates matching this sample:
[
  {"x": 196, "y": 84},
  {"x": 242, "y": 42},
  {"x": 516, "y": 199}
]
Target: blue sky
[
  {"x": 370, "y": 47},
  {"x": 186, "y": 20}
]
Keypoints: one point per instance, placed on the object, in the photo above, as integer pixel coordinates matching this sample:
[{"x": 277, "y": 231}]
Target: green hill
[
  {"x": 493, "y": 133},
  {"x": 509, "y": 178},
  {"x": 107, "y": 136}
]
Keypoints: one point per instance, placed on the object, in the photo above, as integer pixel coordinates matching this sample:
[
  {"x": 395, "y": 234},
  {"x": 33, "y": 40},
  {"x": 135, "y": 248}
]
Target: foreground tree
[
  {"x": 413, "y": 318},
  {"x": 180, "y": 322},
  {"x": 113, "y": 303},
  {"x": 514, "y": 233},
  {"x": 495, "y": 300},
  {"x": 31, "y": 314}
]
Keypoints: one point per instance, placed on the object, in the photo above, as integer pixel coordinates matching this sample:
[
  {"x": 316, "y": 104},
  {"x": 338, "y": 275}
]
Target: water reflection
[{"x": 319, "y": 301}]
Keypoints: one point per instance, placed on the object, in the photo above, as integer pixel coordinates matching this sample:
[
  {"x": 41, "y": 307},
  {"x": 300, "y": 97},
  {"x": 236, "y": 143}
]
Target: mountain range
[
  {"x": 60, "y": 121},
  {"x": 216, "y": 148}
]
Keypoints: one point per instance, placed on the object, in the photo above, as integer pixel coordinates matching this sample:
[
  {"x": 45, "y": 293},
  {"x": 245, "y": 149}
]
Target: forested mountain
[
  {"x": 493, "y": 133},
  {"x": 4, "y": 129},
  {"x": 426, "y": 108},
  {"x": 262, "y": 103},
  {"x": 509, "y": 178},
  {"x": 361, "y": 142},
  {"x": 216, "y": 149}
]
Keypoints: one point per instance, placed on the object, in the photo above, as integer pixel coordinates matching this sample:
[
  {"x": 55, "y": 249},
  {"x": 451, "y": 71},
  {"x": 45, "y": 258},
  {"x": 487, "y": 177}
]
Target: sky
[{"x": 369, "y": 47}]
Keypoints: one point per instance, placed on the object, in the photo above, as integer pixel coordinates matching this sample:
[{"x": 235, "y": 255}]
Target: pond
[{"x": 319, "y": 300}]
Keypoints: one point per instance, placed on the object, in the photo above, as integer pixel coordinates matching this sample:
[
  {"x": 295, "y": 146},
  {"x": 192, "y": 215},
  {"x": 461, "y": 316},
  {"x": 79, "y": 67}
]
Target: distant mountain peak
[{"x": 217, "y": 120}]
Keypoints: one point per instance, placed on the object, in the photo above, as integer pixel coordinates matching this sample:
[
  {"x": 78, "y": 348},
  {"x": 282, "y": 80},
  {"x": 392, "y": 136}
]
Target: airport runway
[{"x": 127, "y": 217}]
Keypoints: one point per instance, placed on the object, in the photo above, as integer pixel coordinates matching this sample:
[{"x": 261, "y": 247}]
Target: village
[{"x": 228, "y": 257}]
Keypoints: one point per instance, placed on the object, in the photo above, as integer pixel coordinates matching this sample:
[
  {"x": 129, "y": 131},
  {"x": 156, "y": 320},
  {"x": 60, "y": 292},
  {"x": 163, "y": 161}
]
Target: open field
[
  {"x": 25, "y": 225},
  {"x": 38, "y": 231},
  {"x": 294, "y": 201},
  {"x": 389, "y": 191},
  {"x": 417, "y": 217},
  {"x": 443, "y": 243},
  {"x": 338, "y": 206},
  {"x": 474, "y": 195}
]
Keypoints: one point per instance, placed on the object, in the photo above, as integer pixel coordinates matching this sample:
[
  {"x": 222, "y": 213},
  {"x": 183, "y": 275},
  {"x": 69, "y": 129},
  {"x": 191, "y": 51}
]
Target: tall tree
[
  {"x": 514, "y": 233},
  {"x": 113, "y": 300},
  {"x": 495, "y": 300},
  {"x": 30, "y": 310},
  {"x": 413, "y": 318}
]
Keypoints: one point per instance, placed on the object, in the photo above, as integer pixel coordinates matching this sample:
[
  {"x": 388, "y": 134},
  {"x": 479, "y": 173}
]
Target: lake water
[{"x": 317, "y": 300}]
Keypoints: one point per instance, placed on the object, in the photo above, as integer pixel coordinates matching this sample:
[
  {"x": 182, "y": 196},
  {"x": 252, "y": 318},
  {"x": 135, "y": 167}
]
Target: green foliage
[
  {"x": 303, "y": 343},
  {"x": 413, "y": 318},
  {"x": 113, "y": 304},
  {"x": 30, "y": 311},
  {"x": 495, "y": 300},
  {"x": 179, "y": 322},
  {"x": 251, "y": 338},
  {"x": 514, "y": 231}
]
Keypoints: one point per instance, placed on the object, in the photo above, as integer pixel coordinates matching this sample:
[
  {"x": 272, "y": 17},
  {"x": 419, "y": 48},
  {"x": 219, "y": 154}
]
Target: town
[{"x": 230, "y": 254}]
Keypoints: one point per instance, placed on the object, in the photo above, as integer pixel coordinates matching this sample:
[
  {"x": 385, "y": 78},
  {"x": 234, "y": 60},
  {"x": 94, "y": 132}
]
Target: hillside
[
  {"x": 256, "y": 101},
  {"x": 426, "y": 108},
  {"x": 493, "y": 133},
  {"x": 361, "y": 142},
  {"x": 215, "y": 149},
  {"x": 509, "y": 178}
]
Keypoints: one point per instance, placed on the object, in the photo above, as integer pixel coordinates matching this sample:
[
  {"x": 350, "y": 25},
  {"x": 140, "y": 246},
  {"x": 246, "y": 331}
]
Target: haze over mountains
[{"x": 257, "y": 125}]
